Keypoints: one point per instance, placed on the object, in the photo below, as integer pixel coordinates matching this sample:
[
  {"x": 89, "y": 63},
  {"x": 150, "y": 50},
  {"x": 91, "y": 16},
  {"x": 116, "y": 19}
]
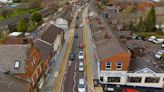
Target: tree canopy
[
  {"x": 36, "y": 16},
  {"x": 22, "y": 26},
  {"x": 150, "y": 21}
]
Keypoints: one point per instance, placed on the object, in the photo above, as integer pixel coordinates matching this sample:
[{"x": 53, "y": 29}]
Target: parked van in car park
[
  {"x": 81, "y": 85},
  {"x": 81, "y": 66},
  {"x": 163, "y": 45},
  {"x": 151, "y": 38},
  {"x": 158, "y": 54}
]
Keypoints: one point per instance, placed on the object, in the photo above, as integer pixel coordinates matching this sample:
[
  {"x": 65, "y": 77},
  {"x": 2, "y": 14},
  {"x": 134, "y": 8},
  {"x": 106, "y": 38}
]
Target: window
[
  {"x": 134, "y": 79},
  {"x": 114, "y": 79},
  {"x": 152, "y": 79},
  {"x": 119, "y": 65},
  {"x": 101, "y": 79},
  {"x": 17, "y": 64},
  {"x": 108, "y": 65}
]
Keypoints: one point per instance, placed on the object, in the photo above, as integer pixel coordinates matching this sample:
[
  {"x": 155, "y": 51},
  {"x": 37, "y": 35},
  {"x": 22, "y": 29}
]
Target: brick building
[{"x": 19, "y": 58}]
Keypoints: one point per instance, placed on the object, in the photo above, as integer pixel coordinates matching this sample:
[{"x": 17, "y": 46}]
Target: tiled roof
[
  {"x": 107, "y": 47},
  {"x": 11, "y": 84},
  {"x": 11, "y": 53},
  {"x": 16, "y": 40},
  {"x": 45, "y": 49},
  {"x": 51, "y": 33}
]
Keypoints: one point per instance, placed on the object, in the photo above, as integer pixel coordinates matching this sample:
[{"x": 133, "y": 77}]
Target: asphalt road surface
[{"x": 72, "y": 75}]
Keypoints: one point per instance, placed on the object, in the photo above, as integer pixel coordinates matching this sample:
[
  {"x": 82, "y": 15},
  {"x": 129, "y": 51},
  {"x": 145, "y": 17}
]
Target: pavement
[
  {"x": 53, "y": 76},
  {"x": 89, "y": 60}
]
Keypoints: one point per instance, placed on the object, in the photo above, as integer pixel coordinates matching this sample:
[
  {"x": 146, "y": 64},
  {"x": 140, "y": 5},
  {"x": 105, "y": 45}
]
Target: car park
[
  {"x": 158, "y": 54},
  {"x": 72, "y": 56},
  {"x": 81, "y": 55},
  {"x": 81, "y": 85},
  {"x": 81, "y": 66}
]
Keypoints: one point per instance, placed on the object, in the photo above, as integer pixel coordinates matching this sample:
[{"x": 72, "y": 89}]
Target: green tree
[
  {"x": 36, "y": 16},
  {"x": 22, "y": 26},
  {"x": 141, "y": 25},
  {"x": 150, "y": 20},
  {"x": 5, "y": 13}
]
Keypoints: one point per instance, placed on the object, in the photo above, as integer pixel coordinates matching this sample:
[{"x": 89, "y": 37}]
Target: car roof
[
  {"x": 81, "y": 81},
  {"x": 80, "y": 63}
]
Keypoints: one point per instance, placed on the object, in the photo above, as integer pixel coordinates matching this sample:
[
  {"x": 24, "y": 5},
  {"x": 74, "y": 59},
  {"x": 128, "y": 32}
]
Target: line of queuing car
[{"x": 81, "y": 83}]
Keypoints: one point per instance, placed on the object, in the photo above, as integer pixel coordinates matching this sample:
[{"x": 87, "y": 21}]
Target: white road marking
[
  {"x": 69, "y": 63},
  {"x": 74, "y": 81},
  {"x": 75, "y": 66}
]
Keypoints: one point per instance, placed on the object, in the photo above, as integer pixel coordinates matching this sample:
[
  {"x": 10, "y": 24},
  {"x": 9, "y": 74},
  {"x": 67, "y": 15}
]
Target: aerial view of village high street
[{"x": 81, "y": 45}]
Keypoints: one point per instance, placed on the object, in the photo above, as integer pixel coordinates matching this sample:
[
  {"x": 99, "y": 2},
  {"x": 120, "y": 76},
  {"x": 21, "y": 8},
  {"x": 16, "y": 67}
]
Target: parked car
[
  {"x": 81, "y": 85},
  {"x": 72, "y": 56},
  {"x": 160, "y": 40},
  {"x": 81, "y": 66},
  {"x": 156, "y": 41},
  {"x": 158, "y": 54},
  {"x": 81, "y": 55},
  {"x": 162, "y": 45},
  {"x": 151, "y": 38},
  {"x": 81, "y": 25}
]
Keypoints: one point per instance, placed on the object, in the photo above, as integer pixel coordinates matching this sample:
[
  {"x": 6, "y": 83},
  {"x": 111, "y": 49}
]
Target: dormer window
[
  {"x": 17, "y": 64},
  {"x": 119, "y": 65}
]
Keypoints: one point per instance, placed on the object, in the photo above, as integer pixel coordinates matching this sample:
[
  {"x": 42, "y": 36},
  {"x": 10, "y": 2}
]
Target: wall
[{"x": 124, "y": 57}]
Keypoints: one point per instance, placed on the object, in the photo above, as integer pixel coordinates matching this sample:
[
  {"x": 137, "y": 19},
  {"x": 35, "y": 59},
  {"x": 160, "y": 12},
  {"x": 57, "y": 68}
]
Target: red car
[
  {"x": 81, "y": 45},
  {"x": 130, "y": 90}
]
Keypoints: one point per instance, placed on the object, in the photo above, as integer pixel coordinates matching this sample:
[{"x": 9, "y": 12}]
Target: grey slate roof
[
  {"x": 140, "y": 63},
  {"x": 11, "y": 84},
  {"x": 44, "y": 49},
  {"x": 51, "y": 33},
  {"x": 107, "y": 47},
  {"x": 9, "y": 54}
]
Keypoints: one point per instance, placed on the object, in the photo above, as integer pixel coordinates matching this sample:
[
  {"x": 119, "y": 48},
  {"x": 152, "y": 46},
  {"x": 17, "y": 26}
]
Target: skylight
[{"x": 16, "y": 64}]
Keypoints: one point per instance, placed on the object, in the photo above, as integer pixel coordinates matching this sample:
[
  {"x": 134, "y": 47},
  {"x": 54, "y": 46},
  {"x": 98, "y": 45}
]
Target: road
[{"x": 72, "y": 74}]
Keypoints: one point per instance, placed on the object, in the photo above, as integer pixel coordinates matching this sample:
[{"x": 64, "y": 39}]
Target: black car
[
  {"x": 72, "y": 56},
  {"x": 76, "y": 36},
  {"x": 76, "y": 26}
]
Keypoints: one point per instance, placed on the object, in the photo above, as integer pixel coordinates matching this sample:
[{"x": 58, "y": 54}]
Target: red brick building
[{"x": 22, "y": 60}]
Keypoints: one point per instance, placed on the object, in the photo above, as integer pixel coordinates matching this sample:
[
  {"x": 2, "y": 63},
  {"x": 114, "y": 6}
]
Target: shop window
[
  {"x": 152, "y": 79},
  {"x": 114, "y": 79},
  {"x": 134, "y": 79}
]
